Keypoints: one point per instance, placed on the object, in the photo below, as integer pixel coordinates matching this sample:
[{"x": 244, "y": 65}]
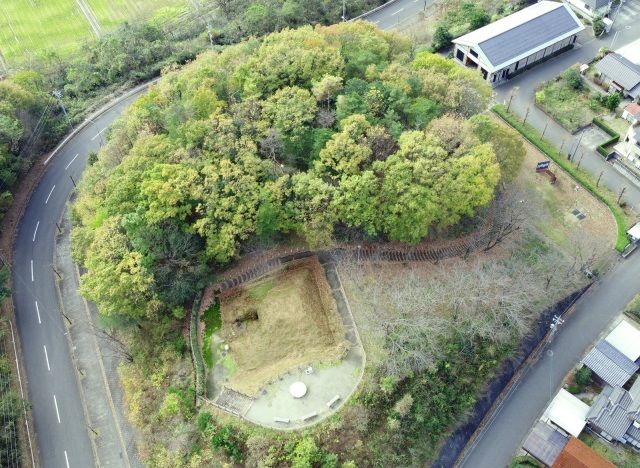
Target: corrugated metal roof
[
  {"x": 610, "y": 364},
  {"x": 528, "y": 36},
  {"x": 612, "y": 418},
  {"x": 619, "y": 69},
  {"x": 545, "y": 443}
]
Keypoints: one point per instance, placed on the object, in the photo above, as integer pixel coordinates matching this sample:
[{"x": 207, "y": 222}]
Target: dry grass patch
[{"x": 281, "y": 322}]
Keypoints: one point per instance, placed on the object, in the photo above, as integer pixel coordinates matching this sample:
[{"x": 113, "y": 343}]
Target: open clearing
[
  {"x": 29, "y": 27},
  {"x": 278, "y": 323}
]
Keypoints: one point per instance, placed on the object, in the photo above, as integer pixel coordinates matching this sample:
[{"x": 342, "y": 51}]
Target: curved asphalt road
[
  {"x": 60, "y": 428},
  {"x": 394, "y": 14}
]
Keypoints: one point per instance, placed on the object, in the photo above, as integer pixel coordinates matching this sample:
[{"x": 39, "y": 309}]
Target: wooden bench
[
  {"x": 333, "y": 401},
  {"x": 281, "y": 420},
  {"x": 309, "y": 416}
]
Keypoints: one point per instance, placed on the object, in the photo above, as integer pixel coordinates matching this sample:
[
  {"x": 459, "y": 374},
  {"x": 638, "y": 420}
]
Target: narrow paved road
[
  {"x": 593, "y": 312},
  {"x": 61, "y": 432},
  {"x": 397, "y": 13}
]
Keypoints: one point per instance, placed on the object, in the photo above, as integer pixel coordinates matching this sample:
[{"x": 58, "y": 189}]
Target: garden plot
[{"x": 278, "y": 323}]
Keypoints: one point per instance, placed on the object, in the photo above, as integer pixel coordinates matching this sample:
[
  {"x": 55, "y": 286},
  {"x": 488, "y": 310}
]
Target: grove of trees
[{"x": 309, "y": 134}]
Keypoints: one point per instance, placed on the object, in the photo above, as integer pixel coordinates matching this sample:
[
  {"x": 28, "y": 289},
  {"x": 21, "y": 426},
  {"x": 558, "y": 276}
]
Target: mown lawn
[
  {"x": 571, "y": 108},
  {"x": 30, "y": 27}
]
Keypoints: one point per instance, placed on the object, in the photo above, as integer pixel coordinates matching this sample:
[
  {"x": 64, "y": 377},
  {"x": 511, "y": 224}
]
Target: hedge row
[
  {"x": 196, "y": 352},
  {"x": 615, "y": 136},
  {"x": 583, "y": 178}
]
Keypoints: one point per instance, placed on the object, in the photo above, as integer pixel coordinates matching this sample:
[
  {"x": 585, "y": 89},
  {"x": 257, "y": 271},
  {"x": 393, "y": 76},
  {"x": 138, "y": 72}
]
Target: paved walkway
[{"x": 96, "y": 364}]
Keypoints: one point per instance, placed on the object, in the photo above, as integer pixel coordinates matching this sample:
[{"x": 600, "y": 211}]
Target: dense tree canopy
[{"x": 300, "y": 133}]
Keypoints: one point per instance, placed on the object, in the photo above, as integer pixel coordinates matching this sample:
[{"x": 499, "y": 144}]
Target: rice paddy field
[{"x": 31, "y": 27}]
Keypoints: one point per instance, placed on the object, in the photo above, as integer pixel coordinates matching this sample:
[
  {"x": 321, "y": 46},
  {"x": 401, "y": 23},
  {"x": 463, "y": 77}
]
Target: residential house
[
  {"x": 617, "y": 73},
  {"x": 591, "y": 8},
  {"x": 567, "y": 413},
  {"x": 631, "y": 113},
  {"x": 576, "y": 454},
  {"x": 516, "y": 42},
  {"x": 625, "y": 337},
  {"x": 610, "y": 364},
  {"x": 615, "y": 414}
]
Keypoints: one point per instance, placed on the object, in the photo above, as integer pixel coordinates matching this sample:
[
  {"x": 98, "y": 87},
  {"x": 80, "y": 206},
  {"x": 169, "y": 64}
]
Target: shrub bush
[
  {"x": 573, "y": 78},
  {"x": 583, "y": 376}
]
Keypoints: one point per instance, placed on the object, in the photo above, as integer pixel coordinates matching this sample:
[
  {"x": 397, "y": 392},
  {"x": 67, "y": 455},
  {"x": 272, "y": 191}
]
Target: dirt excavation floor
[{"x": 278, "y": 323}]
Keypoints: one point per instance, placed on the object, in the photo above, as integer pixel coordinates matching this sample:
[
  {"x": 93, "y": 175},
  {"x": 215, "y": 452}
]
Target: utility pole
[
  {"x": 598, "y": 182},
  {"x": 545, "y": 128},
  {"x": 621, "y": 193},
  {"x": 344, "y": 10},
  {"x": 525, "y": 116},
  {"x": 580, "y": 160},
  {"x": 571, "y": 156},
  {"x": 58, "y": 95},
  {"x": 556, "y": 321}
]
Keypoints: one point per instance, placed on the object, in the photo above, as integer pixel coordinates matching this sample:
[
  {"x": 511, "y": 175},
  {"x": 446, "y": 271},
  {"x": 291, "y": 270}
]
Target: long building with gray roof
[{"x": 518, "y": 41}]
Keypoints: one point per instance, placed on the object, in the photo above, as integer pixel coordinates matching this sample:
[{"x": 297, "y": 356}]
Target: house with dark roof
[
  {"x": 610, "y": 364},
  {"x": 619, "y": 74},
  {"x": 591, "y": 8},
  {"x": 577, "y": 454},
  {"x": 615, "y": 414},
  {"x": 518, "y": 41}
]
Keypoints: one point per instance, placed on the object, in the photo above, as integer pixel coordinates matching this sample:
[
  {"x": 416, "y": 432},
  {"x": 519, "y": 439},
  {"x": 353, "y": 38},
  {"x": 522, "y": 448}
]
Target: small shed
[
  {"x": 626, "y": 339},
  {"x": 567, "y": 412},
  {"x": 544, "y": 443}
]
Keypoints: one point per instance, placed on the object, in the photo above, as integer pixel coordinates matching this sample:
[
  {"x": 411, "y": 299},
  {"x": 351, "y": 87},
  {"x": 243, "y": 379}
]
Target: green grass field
[{"x": 30, "y": 27}]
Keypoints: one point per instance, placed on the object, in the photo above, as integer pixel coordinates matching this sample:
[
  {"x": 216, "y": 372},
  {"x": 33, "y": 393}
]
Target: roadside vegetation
[
  {"x": 325, "y": 134},
  {"x": 622, "y": 216},
  {"x": 11, "y": 405},
  {"x": 572, "y": 103}
]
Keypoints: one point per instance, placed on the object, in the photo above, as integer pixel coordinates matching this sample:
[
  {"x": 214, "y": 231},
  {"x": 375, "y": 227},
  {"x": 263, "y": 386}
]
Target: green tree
[{"x": 441, "y": 37}]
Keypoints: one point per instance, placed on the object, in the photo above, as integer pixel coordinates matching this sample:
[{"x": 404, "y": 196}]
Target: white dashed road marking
[
  {"x": 32, "y": 271},
  {"x": 49, "y": 196},
  {"x": 38, "y": 312},
  {"x": 35, "y": 231},
  {"x": 46, "y": 357},
  {"x": 400, "y": 10},
  {"x": 71, "y": 162},
  {"x": 66, "y": 459},
  {"x": 55, "y": 402},
  {"x": 98, "y": 134}
]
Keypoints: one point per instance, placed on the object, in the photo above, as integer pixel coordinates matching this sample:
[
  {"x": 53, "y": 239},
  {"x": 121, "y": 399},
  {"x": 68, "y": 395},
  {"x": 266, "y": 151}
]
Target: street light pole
[
  {"x": 58, "y": 95},
  {"x": 344, "y": 10}
]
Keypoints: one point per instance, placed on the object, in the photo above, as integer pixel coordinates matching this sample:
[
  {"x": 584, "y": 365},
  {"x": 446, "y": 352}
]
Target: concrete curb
[{"x": 376, "y": 9}]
